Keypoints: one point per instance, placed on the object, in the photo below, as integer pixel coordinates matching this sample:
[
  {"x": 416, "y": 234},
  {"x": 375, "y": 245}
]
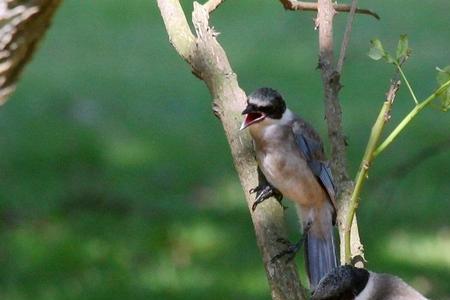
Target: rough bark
[
  {"x": 22, "y": 26},
  {"x": 209, "y": 62}
]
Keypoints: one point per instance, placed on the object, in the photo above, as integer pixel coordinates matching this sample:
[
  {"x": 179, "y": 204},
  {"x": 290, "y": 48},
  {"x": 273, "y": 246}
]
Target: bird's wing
[{"x": 309, "y": 144}]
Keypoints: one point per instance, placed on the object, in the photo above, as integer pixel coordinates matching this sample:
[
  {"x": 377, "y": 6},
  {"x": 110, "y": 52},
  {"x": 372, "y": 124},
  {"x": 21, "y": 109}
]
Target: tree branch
[
  {"x": 333, "y": 116},
  {"x": 22, "y": 26},
  {"x": 210, "y": 63},
  {"x": 211, "y": 5},
  {"x": 332, "y": 86},
  {"x": 346, "y": 39},
  {"x": 377, "y": 129},
  {"x": 180, "y": 35},
  {"x": 407, "y": 119},
  {"x": 313, "y": 6}
]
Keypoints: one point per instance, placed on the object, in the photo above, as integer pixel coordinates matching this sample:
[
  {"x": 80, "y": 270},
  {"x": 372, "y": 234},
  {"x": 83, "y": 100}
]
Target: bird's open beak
[{"x": 251, "y": 117}]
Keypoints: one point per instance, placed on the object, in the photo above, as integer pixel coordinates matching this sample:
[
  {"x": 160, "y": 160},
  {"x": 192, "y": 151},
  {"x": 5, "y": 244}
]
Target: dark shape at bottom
[{"x": 348, "y": 282}]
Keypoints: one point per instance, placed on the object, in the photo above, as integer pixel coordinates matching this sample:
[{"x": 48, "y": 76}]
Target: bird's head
[
  {"x": 343, "y": 283},
  {"x": 263, "y": 105}
]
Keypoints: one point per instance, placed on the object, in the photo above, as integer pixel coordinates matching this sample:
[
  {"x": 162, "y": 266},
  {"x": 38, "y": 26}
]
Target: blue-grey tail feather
[{"x": 320, "y": 255}]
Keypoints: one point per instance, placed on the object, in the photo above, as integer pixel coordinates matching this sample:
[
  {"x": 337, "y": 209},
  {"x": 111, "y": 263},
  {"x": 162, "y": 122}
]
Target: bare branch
[
  {"x": 331, "y": 84},
  {"x": 211, "y": 5},
  {"x": 211, "y": 64},
  {"x": 177, "y": 27},
  {"x": 22, "y": 26},
  {"x": 312, "y": 6},
  {"x": 346, "y": 39},
  {"x": 333, "y": 116}
]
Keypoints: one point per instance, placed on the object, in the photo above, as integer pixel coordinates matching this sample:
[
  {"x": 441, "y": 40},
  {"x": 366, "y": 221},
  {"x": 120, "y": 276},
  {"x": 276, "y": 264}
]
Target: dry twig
[
  {"x": 346, "y": 39},
  {"x": 313, "y": 6}
]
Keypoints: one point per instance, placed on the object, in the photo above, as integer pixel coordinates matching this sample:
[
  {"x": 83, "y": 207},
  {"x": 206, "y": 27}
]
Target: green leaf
[
  {"x": 442, "y": 77},
  {"x": 376, "y": 52},
  {"x": 403, "y": 49},
  {"x": 389, "y": 59}
]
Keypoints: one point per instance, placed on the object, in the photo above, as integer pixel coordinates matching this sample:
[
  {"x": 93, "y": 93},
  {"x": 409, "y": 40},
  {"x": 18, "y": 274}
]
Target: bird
[
  {"x": 348, "y": 283},
  {"x": 292, "y": 164}
]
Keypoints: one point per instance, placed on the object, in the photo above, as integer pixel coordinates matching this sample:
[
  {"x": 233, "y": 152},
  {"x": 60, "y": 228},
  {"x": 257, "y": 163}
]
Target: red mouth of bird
[{"x": 252, "y": 118}]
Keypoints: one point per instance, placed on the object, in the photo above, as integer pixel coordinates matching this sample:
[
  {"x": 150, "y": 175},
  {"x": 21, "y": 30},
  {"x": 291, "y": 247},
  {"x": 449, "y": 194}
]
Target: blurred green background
[{"x": 116, "y": 181}]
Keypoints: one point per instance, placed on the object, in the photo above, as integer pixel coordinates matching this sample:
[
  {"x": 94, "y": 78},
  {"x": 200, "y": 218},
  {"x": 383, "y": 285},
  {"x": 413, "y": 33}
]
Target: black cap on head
[
  {"x": 344, "y": 283},
  {"x": 267, "y": 101}
]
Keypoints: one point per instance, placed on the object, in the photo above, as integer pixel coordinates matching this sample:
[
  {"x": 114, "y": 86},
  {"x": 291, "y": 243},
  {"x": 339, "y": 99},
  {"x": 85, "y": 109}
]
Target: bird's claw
[
  {"x": 284, "y": 241},
  {"x": 255, "y": 189},
  {"x": 289, "y": 252},
  {"x": 265, "y": 192}
]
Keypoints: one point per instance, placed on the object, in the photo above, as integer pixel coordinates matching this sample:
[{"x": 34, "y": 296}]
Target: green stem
[
  {"x": 408, "y": 119},
  {"x": 375, "y": 134},
  {"x": 399, "y": 68}
]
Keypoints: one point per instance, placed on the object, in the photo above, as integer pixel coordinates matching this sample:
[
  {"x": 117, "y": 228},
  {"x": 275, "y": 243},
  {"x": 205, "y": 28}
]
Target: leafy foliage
[{"x": 377, "y": 52}]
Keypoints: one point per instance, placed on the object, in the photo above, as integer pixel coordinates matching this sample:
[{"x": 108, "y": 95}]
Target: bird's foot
[
  {"x": 290, "y": 251},
  {"x": 264, "y": 192}
]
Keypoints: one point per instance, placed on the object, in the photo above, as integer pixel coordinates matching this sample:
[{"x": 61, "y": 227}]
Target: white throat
[{"x": 287, "y": 117}]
